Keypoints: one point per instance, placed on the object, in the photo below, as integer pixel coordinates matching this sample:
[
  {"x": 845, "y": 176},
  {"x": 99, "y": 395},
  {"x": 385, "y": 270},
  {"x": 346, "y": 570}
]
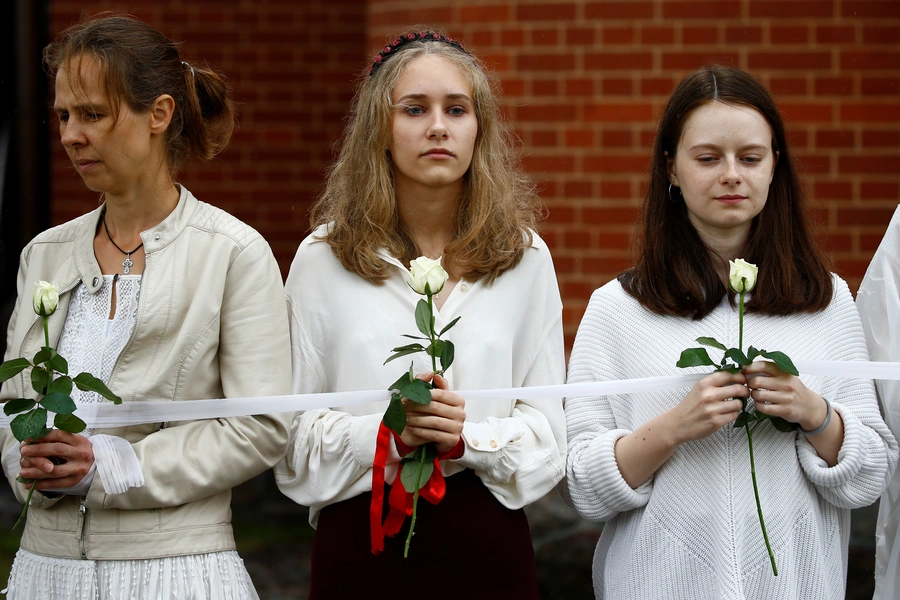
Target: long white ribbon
[{"x": 99, "y": 415}]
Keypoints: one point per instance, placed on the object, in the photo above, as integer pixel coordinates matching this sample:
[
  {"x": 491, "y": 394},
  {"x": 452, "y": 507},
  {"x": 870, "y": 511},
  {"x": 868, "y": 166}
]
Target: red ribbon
[{"x": 400, "y": 501}]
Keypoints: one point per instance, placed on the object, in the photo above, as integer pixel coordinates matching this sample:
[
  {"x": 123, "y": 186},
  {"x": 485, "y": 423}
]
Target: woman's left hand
[
  {"x": 441, "y": 421},
  {"x": 780, "y": 394},
  {"x": 76, "y": 452}
]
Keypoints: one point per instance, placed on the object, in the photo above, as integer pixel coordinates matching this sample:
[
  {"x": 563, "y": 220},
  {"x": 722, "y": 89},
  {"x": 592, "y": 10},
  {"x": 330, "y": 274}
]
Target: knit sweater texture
[{"x": 692, "y": 531}]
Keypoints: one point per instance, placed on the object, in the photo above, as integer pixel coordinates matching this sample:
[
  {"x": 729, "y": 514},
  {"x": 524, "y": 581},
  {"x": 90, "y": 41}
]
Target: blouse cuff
[
  {"x": 116, "y": 463},
  {"x": 602, "y": 471},
  {"x": 851, "y": 456},
  {"x": 482, "y": 446}
]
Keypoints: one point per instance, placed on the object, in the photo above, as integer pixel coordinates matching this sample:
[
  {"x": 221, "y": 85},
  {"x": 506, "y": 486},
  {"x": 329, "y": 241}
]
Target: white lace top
[{"x": 92, "y": 342}]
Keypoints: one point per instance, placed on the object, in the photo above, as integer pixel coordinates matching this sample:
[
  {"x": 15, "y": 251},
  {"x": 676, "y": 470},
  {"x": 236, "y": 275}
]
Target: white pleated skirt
[{"x": 213, "y": 576}]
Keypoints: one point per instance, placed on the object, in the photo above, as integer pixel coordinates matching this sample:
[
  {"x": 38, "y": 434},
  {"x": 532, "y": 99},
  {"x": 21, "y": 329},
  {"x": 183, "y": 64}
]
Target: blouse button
[
  {"x": 463, "y": 287},
  {"x": 96, "y": 280},
  {"x": 493, "y": 444},
  {"x": 475, "y": 443}
]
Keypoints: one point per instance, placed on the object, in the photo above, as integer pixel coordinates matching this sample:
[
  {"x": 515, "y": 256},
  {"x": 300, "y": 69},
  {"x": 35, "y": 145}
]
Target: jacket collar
[{"x": 85, "y": 263}]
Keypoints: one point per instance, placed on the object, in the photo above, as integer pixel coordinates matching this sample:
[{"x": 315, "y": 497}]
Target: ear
[
  {"x": 670, "y": 169},
  {"x": 161, "y": 113}
]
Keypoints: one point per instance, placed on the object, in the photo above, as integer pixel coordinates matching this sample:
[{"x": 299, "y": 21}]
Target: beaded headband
[{"x": 423, "y": 36}]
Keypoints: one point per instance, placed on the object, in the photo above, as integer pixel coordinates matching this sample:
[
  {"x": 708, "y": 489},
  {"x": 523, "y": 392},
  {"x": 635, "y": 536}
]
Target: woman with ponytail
[{"x": 162, "y": 297}]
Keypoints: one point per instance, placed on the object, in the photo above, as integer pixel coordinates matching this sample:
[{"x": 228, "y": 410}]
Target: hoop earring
[{"x": 674, "y": 201}]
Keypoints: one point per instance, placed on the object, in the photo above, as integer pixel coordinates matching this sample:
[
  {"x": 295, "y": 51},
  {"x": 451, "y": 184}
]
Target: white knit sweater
[{"x": 691, "y": 531}]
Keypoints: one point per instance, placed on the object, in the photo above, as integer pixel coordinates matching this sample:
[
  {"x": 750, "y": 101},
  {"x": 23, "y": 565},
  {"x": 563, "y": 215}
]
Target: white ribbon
[{"x": 104, "y": 415}]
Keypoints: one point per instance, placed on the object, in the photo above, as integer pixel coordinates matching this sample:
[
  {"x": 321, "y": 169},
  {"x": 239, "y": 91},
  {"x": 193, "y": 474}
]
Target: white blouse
[
  {"x": 878, "y": 301},
  {"x": 92, "y": 342},
  {"x": 343, "y": 328}
]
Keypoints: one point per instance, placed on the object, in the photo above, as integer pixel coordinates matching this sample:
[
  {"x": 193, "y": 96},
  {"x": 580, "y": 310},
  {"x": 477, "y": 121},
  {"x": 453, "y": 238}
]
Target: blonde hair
[{"x": 497, "y": 211}]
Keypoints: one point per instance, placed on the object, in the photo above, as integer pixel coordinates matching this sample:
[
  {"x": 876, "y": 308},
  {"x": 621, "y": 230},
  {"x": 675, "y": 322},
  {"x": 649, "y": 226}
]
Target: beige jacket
[{"x": 211, "y": 323}]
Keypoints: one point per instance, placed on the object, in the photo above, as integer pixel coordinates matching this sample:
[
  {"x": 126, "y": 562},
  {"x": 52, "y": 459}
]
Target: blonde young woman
[
  {"x": 163, "y": 297},
  {"x": 426, "y": 168}
]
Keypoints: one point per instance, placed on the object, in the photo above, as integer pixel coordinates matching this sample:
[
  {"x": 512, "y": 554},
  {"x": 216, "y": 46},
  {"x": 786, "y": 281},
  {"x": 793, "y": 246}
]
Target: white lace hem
[{"x": 212, "y": 576}]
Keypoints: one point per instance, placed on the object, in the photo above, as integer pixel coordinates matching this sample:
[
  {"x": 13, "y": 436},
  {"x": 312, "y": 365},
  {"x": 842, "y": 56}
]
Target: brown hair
[
  {"x": 138, "y": 64},
  {"x": 498, "y": 209},
  {"x": 675, "y": 274}
]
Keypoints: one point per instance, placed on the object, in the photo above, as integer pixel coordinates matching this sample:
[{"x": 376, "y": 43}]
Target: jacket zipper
[{"x": 83, "y": 512}]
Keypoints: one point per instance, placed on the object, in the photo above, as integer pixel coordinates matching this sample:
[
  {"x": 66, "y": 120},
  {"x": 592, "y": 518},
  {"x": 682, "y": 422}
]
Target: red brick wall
[
  {"x": 585, "y": 82},
  {"x": 291, "y": 64}
]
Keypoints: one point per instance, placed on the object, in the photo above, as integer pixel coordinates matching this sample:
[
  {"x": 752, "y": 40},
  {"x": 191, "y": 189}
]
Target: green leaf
[
  {"x": 395, "y": 415},
  {"x": 18, "y": 405},
  {"x": 781, "y": 360},
  {"x": 43, "y": 355},
  {"x": 416, "y": 390},
  {"x": 713, "y": 342},
  {"x": 40, "y": 379},
  {"x": 752, "y": 353},
  {"x": 63, "y": 385},
  {"x": 783, "y": 425},
  {"x": 447, "y": 355},
  {"x": 410, "y": 473},
  {"x": 737, "y": 356},
  {"x": 69, "y": 423},
  {"x": 695, "y": 357},
  {"x": 414, "y": 337},
  {"x": 404, "y": 379},
  {"x": 449, "y": 325},
  {"x": 88, "y": 383},
  {"x": 417, "y": 347},
  {"x": 404, "y": 351},
  {"x": 423, "y": 317},
  {"x": 61, "y": 404},
  {"x": 436, "y": 348},
  {"x": 744, "y": 418},
  {"x": 734, "y": 369},
  {"x": 13, "y": 367},
  {"x": 29, "y": 425},
  {"x": 59, "y": 364}
]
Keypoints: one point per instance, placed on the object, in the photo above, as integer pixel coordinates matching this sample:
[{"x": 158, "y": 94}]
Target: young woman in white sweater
[{"x": 667, "y": 470}]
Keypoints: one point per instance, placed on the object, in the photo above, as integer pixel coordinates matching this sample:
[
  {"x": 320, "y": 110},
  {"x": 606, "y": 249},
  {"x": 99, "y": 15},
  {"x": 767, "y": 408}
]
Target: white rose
[
  {"x": 426, "y": 272},
  {"x": 45, "y": 298},
  {"x": 742, "y": 275}
]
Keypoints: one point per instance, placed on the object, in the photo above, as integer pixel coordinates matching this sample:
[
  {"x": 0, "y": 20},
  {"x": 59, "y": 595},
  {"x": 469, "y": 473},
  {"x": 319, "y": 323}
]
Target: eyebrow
[
  {"x": 456, "y": 96},
  {"x": 715, "y": 147},
  {"x": 88, "y": 107}
]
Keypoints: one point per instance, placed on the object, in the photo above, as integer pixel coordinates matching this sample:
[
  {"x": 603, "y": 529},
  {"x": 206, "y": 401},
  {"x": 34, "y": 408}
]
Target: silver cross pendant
[{"x": 127, "y": 263}]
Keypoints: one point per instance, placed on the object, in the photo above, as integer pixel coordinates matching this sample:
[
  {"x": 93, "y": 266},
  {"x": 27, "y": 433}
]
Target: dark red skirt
[{"x": 467, "y": 546}]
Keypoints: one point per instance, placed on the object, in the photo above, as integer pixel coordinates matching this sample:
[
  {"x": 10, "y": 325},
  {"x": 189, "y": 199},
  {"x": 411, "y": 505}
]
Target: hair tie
[{"x": 189, "y": 67}]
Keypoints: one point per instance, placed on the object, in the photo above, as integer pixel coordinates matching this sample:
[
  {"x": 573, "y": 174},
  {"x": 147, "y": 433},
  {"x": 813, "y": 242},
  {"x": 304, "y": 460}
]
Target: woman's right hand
[
  {"x": 706, "y": 409},
  {"x": 709, "y": 406}
]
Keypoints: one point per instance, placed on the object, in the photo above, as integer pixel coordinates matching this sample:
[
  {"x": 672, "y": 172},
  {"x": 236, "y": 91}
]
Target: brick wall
[
  {"x": 585, "y": 82},
  {"x": 291, "y": 64}
]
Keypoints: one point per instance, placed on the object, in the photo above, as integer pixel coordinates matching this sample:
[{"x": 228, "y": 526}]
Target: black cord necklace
[{"x": 127, "y": 263}]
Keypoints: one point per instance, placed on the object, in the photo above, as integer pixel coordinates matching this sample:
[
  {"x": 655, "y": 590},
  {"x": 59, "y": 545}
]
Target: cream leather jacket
[{"x": 212, "y": 323}]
